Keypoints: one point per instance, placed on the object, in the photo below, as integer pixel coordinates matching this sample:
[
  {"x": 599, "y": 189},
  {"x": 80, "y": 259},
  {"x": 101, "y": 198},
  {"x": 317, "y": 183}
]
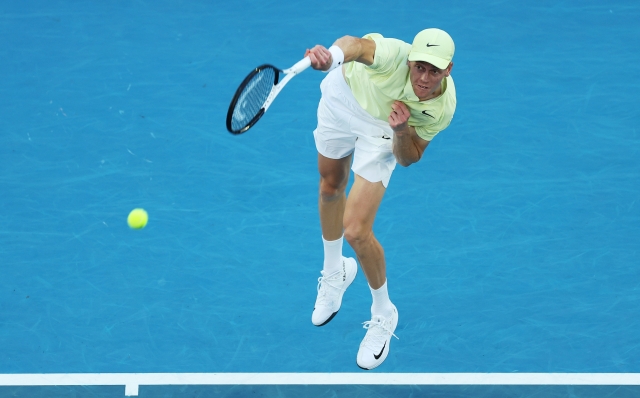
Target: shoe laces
[
  {"x": 378, "y": 330},
  {"x": 324, "y": 282}
]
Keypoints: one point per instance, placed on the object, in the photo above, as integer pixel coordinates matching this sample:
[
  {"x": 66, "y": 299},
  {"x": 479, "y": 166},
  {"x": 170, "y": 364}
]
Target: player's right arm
[{"x": 354, "y": 49}]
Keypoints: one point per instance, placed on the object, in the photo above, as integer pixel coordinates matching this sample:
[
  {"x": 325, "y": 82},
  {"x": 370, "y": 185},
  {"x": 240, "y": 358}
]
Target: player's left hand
[{"x": 399, "y": 116}]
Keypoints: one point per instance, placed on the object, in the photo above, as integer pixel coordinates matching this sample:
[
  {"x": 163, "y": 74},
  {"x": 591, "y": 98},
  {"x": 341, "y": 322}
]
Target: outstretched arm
[
  {"x": 354, "y": 49},
  {"x": 408, "y": 147}
]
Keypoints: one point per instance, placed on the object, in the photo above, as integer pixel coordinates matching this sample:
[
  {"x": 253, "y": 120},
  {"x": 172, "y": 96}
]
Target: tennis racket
[{"x": 256, "y": 94}]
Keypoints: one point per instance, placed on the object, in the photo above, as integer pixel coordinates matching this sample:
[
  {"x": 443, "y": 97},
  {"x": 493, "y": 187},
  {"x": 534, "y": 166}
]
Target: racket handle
[{"x": 299, "y": 66}]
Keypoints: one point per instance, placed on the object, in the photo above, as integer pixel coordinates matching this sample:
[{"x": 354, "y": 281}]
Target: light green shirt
[{"x": 376, "y": 87}]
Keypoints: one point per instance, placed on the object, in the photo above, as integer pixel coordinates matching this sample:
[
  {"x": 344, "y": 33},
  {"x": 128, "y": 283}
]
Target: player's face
[{"x": 426, "y": 79}]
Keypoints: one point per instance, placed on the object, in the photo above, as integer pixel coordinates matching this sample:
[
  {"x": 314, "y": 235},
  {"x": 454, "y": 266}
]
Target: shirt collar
[{"x": 408, "y": 91}]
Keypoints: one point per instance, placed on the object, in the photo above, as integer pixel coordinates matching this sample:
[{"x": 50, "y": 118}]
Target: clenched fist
[{"x": 399, "y": 116}]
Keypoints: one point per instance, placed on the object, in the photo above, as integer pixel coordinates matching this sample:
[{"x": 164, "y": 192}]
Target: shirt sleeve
[
  {"x": 390, "y": 53},
  {"x": 426, "y": 133}
]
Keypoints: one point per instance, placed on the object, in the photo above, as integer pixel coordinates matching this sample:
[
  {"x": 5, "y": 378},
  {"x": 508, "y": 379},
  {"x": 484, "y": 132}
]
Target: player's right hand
[{"x": 320, "y": 57}]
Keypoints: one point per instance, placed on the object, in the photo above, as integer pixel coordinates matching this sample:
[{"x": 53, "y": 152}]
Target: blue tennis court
[{"x": 512, "y": 246}]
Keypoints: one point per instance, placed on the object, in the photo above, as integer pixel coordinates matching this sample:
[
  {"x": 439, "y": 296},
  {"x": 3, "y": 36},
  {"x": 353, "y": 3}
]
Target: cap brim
[{"x": 435, "y": 61}]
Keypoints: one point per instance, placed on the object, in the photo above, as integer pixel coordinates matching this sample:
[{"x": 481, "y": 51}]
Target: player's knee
[
  {"x": 356, "y": 232},
  {"x": 331, "y": 189}
]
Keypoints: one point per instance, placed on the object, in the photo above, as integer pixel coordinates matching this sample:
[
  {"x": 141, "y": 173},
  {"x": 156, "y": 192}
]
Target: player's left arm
[{"x": 408, "y": 147}]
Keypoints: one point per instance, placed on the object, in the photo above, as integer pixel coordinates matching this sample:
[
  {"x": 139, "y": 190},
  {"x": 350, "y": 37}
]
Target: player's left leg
[
  {"x": 362, "y": 206},
  {"x": 360, "y": 212}
]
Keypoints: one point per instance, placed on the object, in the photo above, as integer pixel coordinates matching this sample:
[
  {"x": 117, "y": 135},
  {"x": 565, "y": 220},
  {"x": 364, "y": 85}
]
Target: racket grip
[{"x": 299, "y": 66}]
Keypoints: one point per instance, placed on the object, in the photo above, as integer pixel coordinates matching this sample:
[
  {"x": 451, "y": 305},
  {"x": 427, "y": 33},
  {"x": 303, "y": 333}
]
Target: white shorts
[{"x": 345, "y": 128}]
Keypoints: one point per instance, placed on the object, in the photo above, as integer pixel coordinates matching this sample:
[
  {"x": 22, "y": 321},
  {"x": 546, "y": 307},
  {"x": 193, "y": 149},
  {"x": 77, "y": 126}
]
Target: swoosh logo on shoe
[{"x": 381, "y": 351}]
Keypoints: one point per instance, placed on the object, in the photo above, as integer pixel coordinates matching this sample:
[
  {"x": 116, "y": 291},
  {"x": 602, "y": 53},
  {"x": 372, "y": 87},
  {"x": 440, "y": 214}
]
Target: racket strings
[{"x": 252, "y": 98}]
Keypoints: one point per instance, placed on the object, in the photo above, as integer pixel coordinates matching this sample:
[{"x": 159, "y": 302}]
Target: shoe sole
[
  {"x": 384, "y": 356},
  {"x": 328, "y": 319},
  {"x": 349, "y": 282},
  {"x": 387, "y": 349}
]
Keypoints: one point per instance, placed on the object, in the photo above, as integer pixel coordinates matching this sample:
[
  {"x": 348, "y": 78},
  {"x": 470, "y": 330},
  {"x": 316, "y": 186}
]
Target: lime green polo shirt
[{"x": 376, "y": 87}]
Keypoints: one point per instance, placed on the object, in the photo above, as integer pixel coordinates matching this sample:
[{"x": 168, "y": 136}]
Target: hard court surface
[{"x": 512, "y": 246}]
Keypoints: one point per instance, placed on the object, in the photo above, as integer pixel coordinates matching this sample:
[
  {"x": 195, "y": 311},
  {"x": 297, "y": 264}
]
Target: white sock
[
  {"x": 332, "y": 256},
  {"x": 381, "y": 303}
]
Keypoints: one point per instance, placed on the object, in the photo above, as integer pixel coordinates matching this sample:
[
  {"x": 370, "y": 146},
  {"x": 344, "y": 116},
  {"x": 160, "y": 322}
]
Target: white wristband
[{"x": 337, "y": 56}]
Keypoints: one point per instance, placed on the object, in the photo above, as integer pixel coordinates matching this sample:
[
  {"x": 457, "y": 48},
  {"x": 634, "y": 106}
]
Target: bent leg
[
  {"x": 334, "y": 176},
  {"x": 360, "y": 212},
  {"x": 337, "y": 272}
]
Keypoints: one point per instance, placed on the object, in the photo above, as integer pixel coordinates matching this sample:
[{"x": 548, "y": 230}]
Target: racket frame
[{"x": 278, "y": 85}]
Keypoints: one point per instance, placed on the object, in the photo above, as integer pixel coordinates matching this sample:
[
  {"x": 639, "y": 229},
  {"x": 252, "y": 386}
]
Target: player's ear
[{"x": 447, "y": 71}]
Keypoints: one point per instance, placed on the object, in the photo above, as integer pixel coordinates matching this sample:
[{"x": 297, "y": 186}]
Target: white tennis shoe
[
  {"x": 331, "y": 288},
  {"x": 375, "y": 346}
]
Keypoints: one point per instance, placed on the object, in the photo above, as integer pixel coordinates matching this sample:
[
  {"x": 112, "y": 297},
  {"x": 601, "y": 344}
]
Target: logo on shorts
[{"x": 385, "y": 137}]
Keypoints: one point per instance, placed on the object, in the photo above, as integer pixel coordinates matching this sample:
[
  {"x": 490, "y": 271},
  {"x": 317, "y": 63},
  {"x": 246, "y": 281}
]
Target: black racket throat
[{"x": 247, "y": 104}]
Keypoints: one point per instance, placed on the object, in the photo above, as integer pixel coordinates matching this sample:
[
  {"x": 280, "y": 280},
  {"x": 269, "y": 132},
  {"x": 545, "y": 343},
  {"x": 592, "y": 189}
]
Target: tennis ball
[{"x": 137, "y": 218}]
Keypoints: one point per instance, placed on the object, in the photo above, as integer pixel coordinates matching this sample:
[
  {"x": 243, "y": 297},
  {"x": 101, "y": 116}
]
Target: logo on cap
[{"x": 422, "y": 48}]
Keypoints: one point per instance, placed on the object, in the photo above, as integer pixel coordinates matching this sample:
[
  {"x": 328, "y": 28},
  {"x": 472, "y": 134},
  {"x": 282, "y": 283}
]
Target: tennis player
[{"x": 383, "y": 101}]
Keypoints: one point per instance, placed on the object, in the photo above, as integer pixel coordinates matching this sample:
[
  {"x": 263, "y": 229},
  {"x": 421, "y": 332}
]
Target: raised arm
[{"x": 354, "y": 49}]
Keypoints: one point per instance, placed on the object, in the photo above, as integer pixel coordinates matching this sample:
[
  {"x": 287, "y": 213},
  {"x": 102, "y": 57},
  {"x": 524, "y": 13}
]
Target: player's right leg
[
  {"x": 337, "y": 272},
  {"x": 332, "y": 198},
  {"x": 335, "y": 143}
]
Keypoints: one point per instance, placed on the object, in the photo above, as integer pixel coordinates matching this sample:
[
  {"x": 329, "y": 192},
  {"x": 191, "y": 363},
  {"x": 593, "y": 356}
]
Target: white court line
[{"x": 132, "y": 381}]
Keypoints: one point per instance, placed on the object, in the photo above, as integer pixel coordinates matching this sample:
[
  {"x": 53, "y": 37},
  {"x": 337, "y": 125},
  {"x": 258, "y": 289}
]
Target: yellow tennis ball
[{"x": 137, "y": 218}]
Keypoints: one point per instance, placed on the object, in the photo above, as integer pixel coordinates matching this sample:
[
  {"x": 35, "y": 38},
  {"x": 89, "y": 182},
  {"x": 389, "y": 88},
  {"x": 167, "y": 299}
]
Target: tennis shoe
[
  {"x": 375, "y": 345},
  {"x": 331, "y": 288}
]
